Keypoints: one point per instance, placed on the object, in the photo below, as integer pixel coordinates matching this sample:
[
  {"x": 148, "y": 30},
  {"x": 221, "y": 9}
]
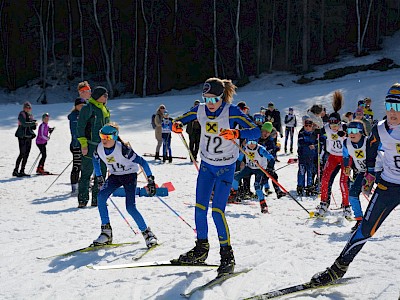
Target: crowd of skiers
[{"x": 233, "y": 145}]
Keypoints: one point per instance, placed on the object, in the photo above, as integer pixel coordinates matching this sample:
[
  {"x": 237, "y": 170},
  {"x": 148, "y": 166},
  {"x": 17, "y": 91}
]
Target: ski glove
[
  {"x": 51, "y": 129},
  {"x": 100, "y": 181},
  {"x": 151, "y": 186},
  {"x": 177, "y": 127},
  {"x": 368, "y": 183},
  {"x": 229, "y": 134}
]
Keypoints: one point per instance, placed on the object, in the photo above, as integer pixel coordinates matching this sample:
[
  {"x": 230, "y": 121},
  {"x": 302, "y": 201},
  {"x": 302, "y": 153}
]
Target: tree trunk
[
  {"x": 70, "y": 54},
  {"x": 146, "y": 49},
  {"x": 305, "y": 36},
  {"x": 237, "y": 37},
  {"x": 4, "y": 46},
  {"x": 271, "y": 58},
  {"x": 158, "y": 60},
  {"x": 258, "y": 71},
  {"x": 358, "y": 29},
  {"x": 322, "y": 31},
  {"x": 53, "y": 38},
  {"x": 175, "y": 17},
  {"x": 82, "y": 40},
  {"x": 136, "y": 49},
  {"x": 287, "y": 36},
  {"x": 215, "y": 39},
  {"x": 366, "y": 26},
  {"x": 104, "y": 47},
  {"x": 112, "y": 54}
]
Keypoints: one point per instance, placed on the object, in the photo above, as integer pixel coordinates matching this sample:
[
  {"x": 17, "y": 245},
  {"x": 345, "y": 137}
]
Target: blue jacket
[
  {"x": 73, "y": 123},
  {"x": 306, "y": 139},
  {"x": 249, "y": 130}
]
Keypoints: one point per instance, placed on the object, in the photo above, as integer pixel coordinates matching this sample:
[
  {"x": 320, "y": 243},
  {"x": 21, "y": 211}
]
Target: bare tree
[
  {"x": 305, "y": 36},
  {"x": 175, "y": 16},
  {"x": 237, "y": 38},
  {"x": 112, "y": 50},
  {"x": 215, "y": 38},
  {"x": 148, "y": 24},
  {"x": 360, "y": 38},
  {"x": 104, "y": 48},
  {"x": 258, "y": 38},
  {"x": 287, "y": 35},
  {"x": 136, "y": 48},
  {"x": 4, "y": 45},
  {"x": 82, "y": 39},
  {"x": 70, "y": 33},
  {"x": 322, "y": 31},
  {"x": 272, "y": 37},
  {"x": 53, "y": 38}
]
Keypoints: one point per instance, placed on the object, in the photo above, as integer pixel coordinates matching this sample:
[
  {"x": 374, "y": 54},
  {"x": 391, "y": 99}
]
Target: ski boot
[
  {"x": 330, "y": 275},
  {"x": 15, "y": 173},
  {"x": 105, "y": 237},
  {"x": 23, "y": 174},
  {"x": 227, "y": 265},
  {"x": 149, "y": 237},
  {"x": 321, "y": 209},
  {"x": 355, "y": 227},
  {"x": 347, "y": 212},
  {"x": 164, "y": 158},
  {"x": 299, "y": 191},
  {"x": 170, "y": 159},
  {"x": 157, "y": 156},
  {"x": 196, "y": 256},
  {"x": 264, "y": 207},
  {"x": 309, "y": 191},
  {"x": 232, "y": 196},
  {"x": 291, "y": 151},
  {"x": 280, "y": 194}
]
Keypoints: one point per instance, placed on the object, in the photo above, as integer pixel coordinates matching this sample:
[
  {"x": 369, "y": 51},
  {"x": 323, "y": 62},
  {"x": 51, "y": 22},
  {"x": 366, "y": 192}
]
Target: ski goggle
[
  {"x": 212, "y": 100},
  {"x": 392, "y": 105},
  {"x": 252, "y": 143},
  {"x": 107, "y": 137},
  {"x": 353, "y": 130},
  {"x": 259, "y": 119},
  {"x": 307, "y": 124}
]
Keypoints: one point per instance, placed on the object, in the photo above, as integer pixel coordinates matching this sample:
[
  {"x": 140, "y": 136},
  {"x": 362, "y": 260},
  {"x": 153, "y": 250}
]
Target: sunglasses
[
  {"x": 308, "y": 125},
  {"x": 392, "y": 105},
  {"x": 212, "y": 100},
  {"x": 353, "y": 130},
  {"x": 107, "y": 137},
  {"x": 252, "y": 143}
]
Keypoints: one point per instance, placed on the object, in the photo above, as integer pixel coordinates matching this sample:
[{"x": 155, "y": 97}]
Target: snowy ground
[{"x": 280, "y": 247}]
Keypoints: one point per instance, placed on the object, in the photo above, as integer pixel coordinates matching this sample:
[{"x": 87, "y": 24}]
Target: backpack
[{"x": 153, "y": 123}]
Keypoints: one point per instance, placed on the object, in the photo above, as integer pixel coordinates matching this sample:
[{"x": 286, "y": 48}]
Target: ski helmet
[{"x": 108, "y": 130}]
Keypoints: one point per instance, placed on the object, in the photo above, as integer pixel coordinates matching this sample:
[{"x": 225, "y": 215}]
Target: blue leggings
[
  {"x": 219, "y": 179},
  {"x": 383, "y": 201},
  {"x": 113, "y": 182},
  {"x": 166, "y": 138},
  {"x": 305, "y": 168},
  {"x": 259, "y": 182},
  {"x": 354, "y": 195}
]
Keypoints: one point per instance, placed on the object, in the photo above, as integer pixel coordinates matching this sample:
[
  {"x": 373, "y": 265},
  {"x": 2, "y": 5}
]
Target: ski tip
[
  {"x": 90, "y": 267},
  {"x": 185, "y": 295}
]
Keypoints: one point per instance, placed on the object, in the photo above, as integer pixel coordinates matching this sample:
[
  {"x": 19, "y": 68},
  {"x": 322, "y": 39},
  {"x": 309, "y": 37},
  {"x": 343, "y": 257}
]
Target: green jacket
[
  {"x": 92, "y": 117},
  {"x": 26, "y": 126}
]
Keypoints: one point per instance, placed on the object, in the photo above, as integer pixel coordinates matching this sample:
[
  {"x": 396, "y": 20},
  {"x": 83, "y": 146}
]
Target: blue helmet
[
  {"x": 109, "y": 130},
  {"x": 357, "y": 125}
]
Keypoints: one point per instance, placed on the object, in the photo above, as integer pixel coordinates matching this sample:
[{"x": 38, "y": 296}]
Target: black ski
[
  {"x": 152, "y": 155},
  {"x": 213, "y": 282},
  {"x": 298, "y": 288},
  {"x": 88, "y": 249}
]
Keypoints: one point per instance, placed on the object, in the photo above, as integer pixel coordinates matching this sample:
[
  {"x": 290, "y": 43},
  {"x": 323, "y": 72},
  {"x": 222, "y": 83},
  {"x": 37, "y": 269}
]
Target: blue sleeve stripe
[{"x": 249, "y": 123}]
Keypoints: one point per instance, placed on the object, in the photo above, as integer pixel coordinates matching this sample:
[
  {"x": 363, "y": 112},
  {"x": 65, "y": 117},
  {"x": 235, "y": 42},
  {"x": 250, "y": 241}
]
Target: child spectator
[
  {"x": 43, "y": 136},
  {"x": 166, "y": 127}
]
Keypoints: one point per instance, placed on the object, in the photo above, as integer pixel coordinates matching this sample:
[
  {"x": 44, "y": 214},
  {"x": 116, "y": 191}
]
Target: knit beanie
[
  {"x": 98, "y": 92},
  {"x": 267, "y": 126}
]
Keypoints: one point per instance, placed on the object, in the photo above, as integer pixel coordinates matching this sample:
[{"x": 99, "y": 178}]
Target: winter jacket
[
  {"x": 305, "y": 140},
  {"x": 43, "y": 134},
  {"x": 26, "y": 126},
  {"x": 92, "y": 117},
  {"x": 158, "y": 122},
  {"x": 73, "y": 127},
  {"x": 275, "y": 118}
]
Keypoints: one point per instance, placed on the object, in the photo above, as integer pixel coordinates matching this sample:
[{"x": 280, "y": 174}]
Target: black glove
[
  {"x": 341, "y": 133},
  {"x": 100, "y": 181},
  {"x": 51, "y": 129},
  {"x": 151, "y": 186}
]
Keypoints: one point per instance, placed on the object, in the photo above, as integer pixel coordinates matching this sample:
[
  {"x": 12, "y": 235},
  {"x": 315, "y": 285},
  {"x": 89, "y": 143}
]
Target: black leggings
[
  {"x": 76, "y": 164},
  {"x": 24, "y": 150},
  {"x": 43, "y": 152}
]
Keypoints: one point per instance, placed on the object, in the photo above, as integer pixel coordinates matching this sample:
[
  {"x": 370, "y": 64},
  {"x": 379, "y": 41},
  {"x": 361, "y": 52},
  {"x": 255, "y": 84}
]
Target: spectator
[
  {"x": 359, "y": 115},
  {"x": 158, "y": 130},
  {"x": 92, "y": 117},
  {"x": 25, "y": 134},
  {"x": 274, "y": 116},
  {"x": 193, "y": 129},
  {"x": 291, "y": 124}
]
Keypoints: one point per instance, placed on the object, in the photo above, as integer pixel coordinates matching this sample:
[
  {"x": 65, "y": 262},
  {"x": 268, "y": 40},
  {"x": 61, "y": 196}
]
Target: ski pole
[
  {"x": 174, "y": 211},
  {"x": 284, "y": 166},
  {"x": 33, "y": 165},
  {"x": 58, "y": 176},
  {"x": 188, "y": 149},
  {"x": 123, "y": 217},
  {"x": 311, "y": 214}
]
